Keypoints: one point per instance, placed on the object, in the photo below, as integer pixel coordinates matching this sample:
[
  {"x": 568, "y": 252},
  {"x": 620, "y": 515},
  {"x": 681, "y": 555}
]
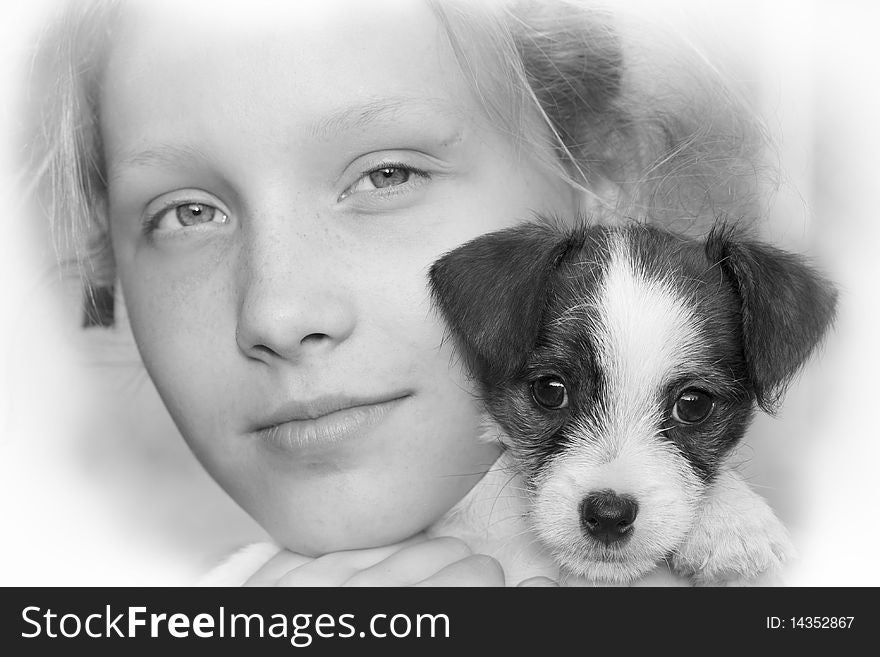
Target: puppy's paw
[{"x": 736, "y": 540}]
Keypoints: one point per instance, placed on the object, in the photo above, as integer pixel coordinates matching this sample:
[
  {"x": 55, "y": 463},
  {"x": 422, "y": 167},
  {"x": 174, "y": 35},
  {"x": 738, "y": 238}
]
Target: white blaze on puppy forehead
[{"x": 646, "y": 333}]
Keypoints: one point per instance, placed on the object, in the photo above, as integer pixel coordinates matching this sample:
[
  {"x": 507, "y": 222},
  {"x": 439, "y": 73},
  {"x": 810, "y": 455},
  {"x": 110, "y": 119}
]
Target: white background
[{"x": 96, "y": 486}]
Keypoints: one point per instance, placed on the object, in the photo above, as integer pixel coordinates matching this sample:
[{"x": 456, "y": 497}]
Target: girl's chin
[
  {"x": 334, "y": 532},
  {"x": 317, "y": 545}
]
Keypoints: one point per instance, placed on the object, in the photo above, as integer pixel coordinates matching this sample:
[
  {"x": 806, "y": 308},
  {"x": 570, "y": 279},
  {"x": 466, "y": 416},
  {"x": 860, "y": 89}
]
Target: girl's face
[{"x": 279, "y": 186}]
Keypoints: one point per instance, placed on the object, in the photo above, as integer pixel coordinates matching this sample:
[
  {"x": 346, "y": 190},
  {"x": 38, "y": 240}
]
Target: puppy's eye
[
  {"x": 692, "y": 406},
  {"x": 550, "y": 392}
]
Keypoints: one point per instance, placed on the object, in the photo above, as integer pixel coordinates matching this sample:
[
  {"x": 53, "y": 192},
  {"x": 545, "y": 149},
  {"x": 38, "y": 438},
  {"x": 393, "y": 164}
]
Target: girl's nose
[{"x": 292, "y": 310}]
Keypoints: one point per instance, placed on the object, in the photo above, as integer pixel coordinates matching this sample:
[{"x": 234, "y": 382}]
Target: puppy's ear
[
  {"x": 492, "y": 292},
  {"x": 786, "y": 308}
]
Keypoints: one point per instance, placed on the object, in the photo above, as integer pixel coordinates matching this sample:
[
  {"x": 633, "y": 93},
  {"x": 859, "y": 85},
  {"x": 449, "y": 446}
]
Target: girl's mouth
[{"x": 327, "y": 422}]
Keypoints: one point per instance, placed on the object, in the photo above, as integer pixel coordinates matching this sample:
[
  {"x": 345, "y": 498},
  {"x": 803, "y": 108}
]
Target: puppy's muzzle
[{"x": 608, "y": 517}]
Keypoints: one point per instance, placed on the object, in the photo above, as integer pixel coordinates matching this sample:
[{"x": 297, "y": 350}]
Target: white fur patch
[
  {"x": 645, "y": 334},
  {"x": 736, "y": 540}
]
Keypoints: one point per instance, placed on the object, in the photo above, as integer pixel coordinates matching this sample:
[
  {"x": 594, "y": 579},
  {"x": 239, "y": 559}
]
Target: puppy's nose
[{"x": 607, "y": 516}]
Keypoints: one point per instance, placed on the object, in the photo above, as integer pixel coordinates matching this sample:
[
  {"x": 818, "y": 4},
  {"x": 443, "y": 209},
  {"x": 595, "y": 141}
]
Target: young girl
[{"x": 268, "y": 184}]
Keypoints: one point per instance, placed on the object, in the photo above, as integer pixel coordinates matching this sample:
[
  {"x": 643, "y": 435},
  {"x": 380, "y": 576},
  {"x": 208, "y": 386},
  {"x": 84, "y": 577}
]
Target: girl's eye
[
  {"x": 389, "y": 177},
  {"x": 550, "y": 393},
  {"x": 385, "y": 177},
  {"x": 185, "y": 215},
  {"x": 692, "y": 406},
  {"x": 195, "y": 213}
]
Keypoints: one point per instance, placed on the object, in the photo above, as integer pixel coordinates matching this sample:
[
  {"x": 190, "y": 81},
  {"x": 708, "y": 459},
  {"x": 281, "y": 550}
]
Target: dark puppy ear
[
  {"x": 786, "y": 308},
  {"x": 492, "y": 292}
]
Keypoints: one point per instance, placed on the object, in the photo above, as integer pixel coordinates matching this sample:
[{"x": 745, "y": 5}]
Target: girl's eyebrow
[
  {"x": 384, "y": 110},
  {"x": 158, "y": 156}
]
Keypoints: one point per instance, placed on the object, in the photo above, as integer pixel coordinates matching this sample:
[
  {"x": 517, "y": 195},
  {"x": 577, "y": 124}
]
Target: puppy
[{"x": 622, "y": 366}]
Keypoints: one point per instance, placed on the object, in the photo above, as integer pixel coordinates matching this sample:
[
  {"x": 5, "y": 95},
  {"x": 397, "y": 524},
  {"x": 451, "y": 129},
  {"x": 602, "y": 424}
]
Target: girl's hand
[{"x": 418, "y": 561}]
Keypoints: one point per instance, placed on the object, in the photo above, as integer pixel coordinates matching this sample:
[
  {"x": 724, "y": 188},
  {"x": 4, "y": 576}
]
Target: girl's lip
[
  {"x": 319, "y": 407},
  {"x": 329, "y": 428}
]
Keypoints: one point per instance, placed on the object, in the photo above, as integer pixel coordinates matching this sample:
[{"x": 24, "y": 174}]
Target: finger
[
  {"x": 336, "y": 568},
  {"x": 275, "y": 568},
  {"x": 537, "y": 581},
  {"x": 412, "y": 564},
  {"x": 475, "y": 570}
]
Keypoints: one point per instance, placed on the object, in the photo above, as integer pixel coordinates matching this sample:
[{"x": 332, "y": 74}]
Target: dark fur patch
[
  {"x": 786, "y": 309},
  {"x": 492, "y": 292}
]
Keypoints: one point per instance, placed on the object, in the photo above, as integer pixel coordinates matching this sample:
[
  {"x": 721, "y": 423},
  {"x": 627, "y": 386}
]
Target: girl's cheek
[{"x": 174, "y": 308}]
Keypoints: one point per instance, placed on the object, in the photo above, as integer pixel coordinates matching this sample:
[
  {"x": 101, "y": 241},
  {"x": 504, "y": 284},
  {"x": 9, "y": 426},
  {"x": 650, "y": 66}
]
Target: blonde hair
[
  {"x": 66, "y": 148},
  {"x": 571, "y": 83}
]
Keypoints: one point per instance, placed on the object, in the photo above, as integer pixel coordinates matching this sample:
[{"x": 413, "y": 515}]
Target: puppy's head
[{"x": 623, "y": 365}]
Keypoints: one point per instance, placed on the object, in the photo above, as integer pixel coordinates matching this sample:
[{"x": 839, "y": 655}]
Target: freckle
[{"x": 454, "y": 139}]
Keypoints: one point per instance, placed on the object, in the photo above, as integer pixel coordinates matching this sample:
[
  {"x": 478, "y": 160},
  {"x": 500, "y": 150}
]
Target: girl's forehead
[
  {"x": 288, "y": 45},
  {"x": 306, "y": 67}
]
